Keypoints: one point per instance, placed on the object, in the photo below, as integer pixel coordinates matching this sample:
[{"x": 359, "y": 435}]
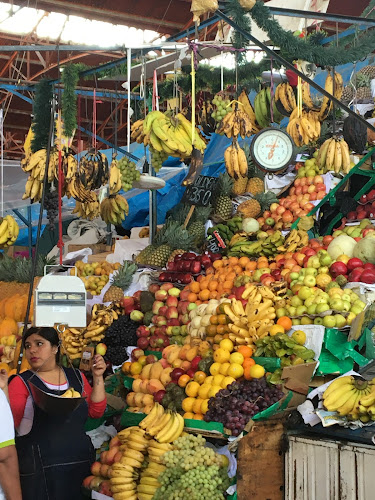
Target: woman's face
[{"x": 40, "y": 353}]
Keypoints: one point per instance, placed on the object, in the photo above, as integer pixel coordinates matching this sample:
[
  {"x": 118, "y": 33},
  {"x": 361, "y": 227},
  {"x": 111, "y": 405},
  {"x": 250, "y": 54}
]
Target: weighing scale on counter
[{"x": 59, "y": 302}]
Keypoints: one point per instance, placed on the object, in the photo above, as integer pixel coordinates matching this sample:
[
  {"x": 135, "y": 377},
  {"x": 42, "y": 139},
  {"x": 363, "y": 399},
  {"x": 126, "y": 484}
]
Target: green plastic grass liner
[
  {"x": 94, "y": 423},
  {"x": 128, "y": 382},
  {"x": 191, "y": 423},
  {"x": 275, "y": 408},
  {"x": 158, "y": 354},
  {"x": 337, "y": 344},
  {"x": 329, "y": 364},
  {"x": 269, "y": 364},
  {"x": 370, "y": 343}
]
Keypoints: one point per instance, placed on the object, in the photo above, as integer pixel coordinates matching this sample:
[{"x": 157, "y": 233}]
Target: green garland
[
  {"x": 292, "y": 48},
  {"x": 42, "y": 115},
  {"x": 70, "y": 77}
]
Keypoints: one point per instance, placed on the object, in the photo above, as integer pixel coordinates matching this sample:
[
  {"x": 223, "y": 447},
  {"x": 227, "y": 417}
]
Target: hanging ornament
[
  {"x": 247, "y": 4},
  {"x": 200, "y": 7}
]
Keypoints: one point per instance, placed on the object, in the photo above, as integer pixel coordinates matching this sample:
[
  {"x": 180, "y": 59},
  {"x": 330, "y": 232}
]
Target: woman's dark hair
[{"x": 48, "y": 333}]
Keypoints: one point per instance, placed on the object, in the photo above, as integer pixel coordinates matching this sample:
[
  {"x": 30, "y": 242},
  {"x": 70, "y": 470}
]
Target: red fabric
[
  {"x": 18, "y": 395},
  {"x": 292, "y": 77}
]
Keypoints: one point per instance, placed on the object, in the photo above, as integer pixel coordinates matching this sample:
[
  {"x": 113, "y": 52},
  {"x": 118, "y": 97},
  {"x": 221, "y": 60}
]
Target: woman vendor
[{"x": 54, "y": 452}]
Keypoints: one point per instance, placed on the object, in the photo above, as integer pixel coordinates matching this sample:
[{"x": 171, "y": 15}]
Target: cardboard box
[
  {"x": 98, "y": 257},
  {"x": 96, "y": 248},
  {"x": 297, "y": 379}
]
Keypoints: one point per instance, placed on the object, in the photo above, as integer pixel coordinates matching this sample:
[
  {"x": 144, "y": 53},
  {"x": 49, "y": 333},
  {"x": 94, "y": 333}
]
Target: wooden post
[{"x": 188, "y": 217}]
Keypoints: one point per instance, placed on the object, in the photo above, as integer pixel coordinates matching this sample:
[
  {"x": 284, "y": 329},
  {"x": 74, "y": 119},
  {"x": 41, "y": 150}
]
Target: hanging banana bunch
[
  {"x": 237, "y": 123},
  {"x": 235, "y": 160},
  {"x": 115, "y": 181},
  {"x": 335, "y": 86},
  {"x": 93, "y": 170},
  {"x": 285, "y": 99}
]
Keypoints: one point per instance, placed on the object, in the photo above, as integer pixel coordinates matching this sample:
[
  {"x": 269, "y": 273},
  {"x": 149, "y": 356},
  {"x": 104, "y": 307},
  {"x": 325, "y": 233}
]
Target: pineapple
[
  {"x": 362, "y": 82},
  {"x": 179, "y": 251},
  {"x": 368, "y": 71},
  {"x": 254, "y": 207},
  {"x": 120, "y": 282},
  {"x": 145, "y": 254},
  {"x": 197, "y": 227},
  {"x": 223, "y": 204},
  {"x": 255, "y": 186},
  {"x": 170, "y": 237},
  {"x": 348, "y": 93},
  {"x": 239, "y": 186}
]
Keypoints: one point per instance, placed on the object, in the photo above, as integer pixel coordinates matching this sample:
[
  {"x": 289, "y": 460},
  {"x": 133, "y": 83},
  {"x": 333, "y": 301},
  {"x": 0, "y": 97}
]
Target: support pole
[{"x": 290, "y": 66}]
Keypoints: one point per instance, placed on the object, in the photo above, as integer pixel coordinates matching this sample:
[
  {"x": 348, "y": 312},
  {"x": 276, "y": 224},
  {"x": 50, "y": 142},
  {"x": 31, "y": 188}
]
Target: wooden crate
[
  {"x": 98, "y": 257},
  {"x": 96, "y": 248},
  {"x": 260, "y": 468}
]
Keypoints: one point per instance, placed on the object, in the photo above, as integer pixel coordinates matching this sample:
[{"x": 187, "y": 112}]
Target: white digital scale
[
  {"x": 60, "y": 299},
  {"x": 272, "y": 150}
]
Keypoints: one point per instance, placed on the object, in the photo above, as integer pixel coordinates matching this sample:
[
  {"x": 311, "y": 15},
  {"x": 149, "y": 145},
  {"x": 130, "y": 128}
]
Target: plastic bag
[
  {"x": 200, "y": 7},
  {"x": 247, "y": 4}
]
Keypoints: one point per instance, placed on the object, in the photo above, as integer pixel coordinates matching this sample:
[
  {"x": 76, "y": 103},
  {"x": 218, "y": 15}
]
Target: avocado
[{"x": 146, "y": 300}]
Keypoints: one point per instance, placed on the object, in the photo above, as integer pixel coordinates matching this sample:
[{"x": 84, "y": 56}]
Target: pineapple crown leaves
[
  {"x": 19, "y": 269},
  {"x": 124, "y": 276},
  {"x": 201, "y": 214},
  {"x": 224, "y": 185},
  {"x": 265, "y": 200},
  {"x": 174, "y": 235}
]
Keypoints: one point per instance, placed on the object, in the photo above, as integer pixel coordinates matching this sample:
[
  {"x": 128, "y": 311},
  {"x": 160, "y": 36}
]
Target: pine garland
[
  {"x": 292, "y": 48},
  {"x": 70, "y": 77},
  {"x": 42, "y": 115}
]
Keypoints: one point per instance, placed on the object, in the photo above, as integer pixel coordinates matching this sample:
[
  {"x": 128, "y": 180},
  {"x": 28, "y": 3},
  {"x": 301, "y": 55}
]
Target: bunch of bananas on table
[
  {"x": 75, "y": 189},
  {"x": 93, "y": 169},
  {"x": 9, "y": 231},
  {"x": 253, "y": 321},
  {"x": 303, "y": 126},
  {"x": 227, "y": 229},
  {"x": 295, "y": 241},
  {"x": 173, "y": 425},
  {"x": 235, "y": 161},
  {"x": 285, "y": 100},
  {"x": 240, "y": 245},
  {"x": 237, "y": 123},
  {"x": 114, "y": 209},
  {"x": 263, "y": 104},
  {"x": 172, "y": 134},
  {"x": 74, "y": 340},
  {"x": 334, "y": 155},
  {"x": 335, "y": 86},
  {"x": 88, "y": 210},
  {"x": 351, "y": 397}
]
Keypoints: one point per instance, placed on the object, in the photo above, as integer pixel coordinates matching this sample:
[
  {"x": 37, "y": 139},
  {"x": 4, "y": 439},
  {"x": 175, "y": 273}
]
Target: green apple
[
  {"x": 358, "y": 303},
  {"x": 325, "y": 260},
  {"x": 356, "y": 233},
  {"x": 347, "y": 305},
  {"x": 312, "y": 309},
  {"x": 355, "y": 310},
  {"x": 323, "y": 270},
  {"x": 320, "y": 308},
  {"x": 302, "y": 271},
  {"x": 320, "y": 300},
  {"x": 329, "y": 321},
  {"x": 350, "y": 318},
  {"x": 318, "y": 321},
  {"x": 292, "y": 283},
  {"x": 311, "y": 271},
  {"x": 296, "y": 301},
  {"x": 296, "y": 321},
  {"x": 176, "y": 330},
  {"x": 301, "y": 310},
  {"x": 184, "y": 330},
  {"x": 281, "y": 311},
  {"x": 346, "y": 296},
  {"x": 336, "y": 304},
  {"x": 294, "y": 276},
  {"x": 310, "y": 301},
  {"x": 309, "y": 281},
  {"x": 292, "y": 310},
  {"x": 300, "y": 279},
  {"x": 306, "y": 321},
  {"x": 304, "y": 292},
  {"x": 340, "y": 320},
  {"x": 313, "y": 262},
  {"x": 336, "y": 295},
  {"x": 324, "y": 295}
]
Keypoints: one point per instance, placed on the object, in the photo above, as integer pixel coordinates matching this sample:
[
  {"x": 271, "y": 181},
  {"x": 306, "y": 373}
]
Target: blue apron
[{"x": 56, "y": 455}]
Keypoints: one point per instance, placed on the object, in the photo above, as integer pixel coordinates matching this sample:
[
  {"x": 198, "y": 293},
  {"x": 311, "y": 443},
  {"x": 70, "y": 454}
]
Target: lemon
[
  {"x": 256, "y": 371},
  {"x": 275, "y": 329},
  {"x": 236, "y": 357},
  {"x": 224, "y": 367},
  {"x": 187, "y": 405},
  {"x": 204, "y": 406},
  {"x": 136, "y": 368},
  {"x": 227, "y": 381},
  {"x": 218, "y": 380},
  {"x": 235, "y": 370},
  {"x": 209, "y": 380},
  {"x": 197, "y": 405},
  {"x": 214, "y": 390},
  {"x": 204, "y": 390},
  {"x": 221, "y": 355},
  {"x": 299, "y": 336},
  {"x": 192, "y": 389},
  {"x": 215, "y": 369},
  {"x": 227, "y": 344}
]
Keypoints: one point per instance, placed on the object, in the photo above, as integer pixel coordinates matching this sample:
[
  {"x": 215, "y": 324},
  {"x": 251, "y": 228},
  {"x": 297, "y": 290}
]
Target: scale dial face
[{"x": 272, "y": 149}]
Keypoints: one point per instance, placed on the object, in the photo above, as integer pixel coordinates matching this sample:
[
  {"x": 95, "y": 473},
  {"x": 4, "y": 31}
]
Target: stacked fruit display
[
  {"x": 354, "y": 270},
  {"x": 365, "y": 209},
  {"x": 265, "y": 245},
  {"x": 240, "y": 401},
  {"x": 182, "y": 267},
  {"x": 351, "y": 397},
  {"x": 193, "y": 470},
  {"x": 358, "y": 231},
  {"x": 290, "y": 350}
]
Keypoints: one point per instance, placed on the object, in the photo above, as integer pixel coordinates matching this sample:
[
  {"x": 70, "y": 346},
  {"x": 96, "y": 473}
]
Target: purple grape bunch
[{"x": 240, "y": 401}]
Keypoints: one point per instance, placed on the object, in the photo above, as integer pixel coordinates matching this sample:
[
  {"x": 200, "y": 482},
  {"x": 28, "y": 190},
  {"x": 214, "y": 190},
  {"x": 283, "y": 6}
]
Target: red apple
[
  {"x": 153, "y": 288},
  {"x": 368, "y": 276},
  {"x": 143, "y": 343},
  {"x": 354, "y": 263},
  {"x": 173, "y": 322},
  {"x": 171, "y": 313},
  {"x": 137, "y": 295},
  {"x": 163, "y": 311},
  {"x": 166, "y": 286},
  {"x": 137, "y": 353},
  {"x": 159, "y": 395},
  {"x": 127, "y": 301},
  {"x": 176, "y": 373},
  {"x": 355, "y": 275},
  {"x": 161, "y": 294},
  {"x": 338, "y": 268},
  {"x": 184, "y": 295},
  {"x": 172, "y": 301},
  {"x": 95, "y": 468},
  {"x": 195, "y": 363},
  {"x": 142, "y": 331},
  {"x": 151, "y": 358}
]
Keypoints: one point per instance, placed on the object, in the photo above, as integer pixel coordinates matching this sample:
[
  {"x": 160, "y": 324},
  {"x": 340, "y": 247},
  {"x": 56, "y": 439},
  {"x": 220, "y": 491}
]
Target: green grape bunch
[
  {"x": 223, "y": 107},
  {"x": 157, "y": 158},
  {"x": 129, "y": 173}
]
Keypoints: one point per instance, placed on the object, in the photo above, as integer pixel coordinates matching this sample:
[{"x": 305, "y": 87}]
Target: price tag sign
[
  {"x": 215, "y": 243},
  {"x": 200, "y": 192}
]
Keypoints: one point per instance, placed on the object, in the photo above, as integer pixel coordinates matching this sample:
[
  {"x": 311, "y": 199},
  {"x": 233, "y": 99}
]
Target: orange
[
  {"x": 198, "y": 302},
  {"x": 218, "y": 264},
  {"x": 136, "y": 368},
  {"x": 256, "y": 371},
  {"x": 223, "y": 319},
  {"x": 183, "y": 381},
  {"x": 244, "y": 261},
  {"x": 188, "y": 415},
  {"x": 251, "y": 266},
  {"x": 204, "y": 390},
  {"x": 126, "y": 367},
  {"x": 214, "y": 320},
  {"x": 246, "y": 373},
  {"x": 211, "y": 330},
  {"x": 285, "y": 322},
  {"x": 228, "y": 285},
  {"x": 233, "y": 261},
  {"x": 212, "y": 285},
  {"x": 204, "y": 406},
  {"x": 204, "y": 294},
  {"x": 214, "y": 295},
  {"x": 245, "y": 350},
  {"x": 195, "y": 287},
  {"x": 192, "y": 297},
  {"x": 199, "y": 377},
  {"x": 210, "y": 270},
  {"x": 191, "y": 389},
  {"x": 231, "y": 276},
  {"x": 221, "y": 329},
  {"x": 248, "y": 362},
  {"x": 197, "y": 406},
  {"x": 237, "y": 269},
  {"x": 198, "y": 416},
  {"x": 200, "y": 277}
]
